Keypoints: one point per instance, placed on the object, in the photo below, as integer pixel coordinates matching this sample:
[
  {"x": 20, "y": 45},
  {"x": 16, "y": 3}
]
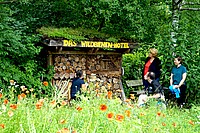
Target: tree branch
[
  {"x": 191, "y": 3},
  {"x": 191, "y": 9},
  {"x": 7, "y": 2}
]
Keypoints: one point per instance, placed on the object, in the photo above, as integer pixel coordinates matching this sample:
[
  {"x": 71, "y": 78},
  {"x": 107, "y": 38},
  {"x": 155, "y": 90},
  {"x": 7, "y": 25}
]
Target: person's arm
[
  {"x": 182, "y": 81},
  {"x": 145, "y": 76},
  {"x": 171, "y": 79}
]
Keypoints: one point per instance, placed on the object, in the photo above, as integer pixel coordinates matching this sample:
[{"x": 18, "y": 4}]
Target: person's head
[
  {"x": 153, "y": 52},
  {"x": 151, "y": 75},
  {"x": 178, "y": 60},
  {"x": 79, "y": 73}
]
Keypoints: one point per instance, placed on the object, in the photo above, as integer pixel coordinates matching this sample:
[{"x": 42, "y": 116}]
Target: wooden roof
[{"x": 64, "y": 43}]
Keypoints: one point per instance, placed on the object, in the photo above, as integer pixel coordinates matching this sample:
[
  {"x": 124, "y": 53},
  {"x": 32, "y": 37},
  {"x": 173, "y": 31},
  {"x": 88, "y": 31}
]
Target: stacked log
[{"x": 104, "y": 70}]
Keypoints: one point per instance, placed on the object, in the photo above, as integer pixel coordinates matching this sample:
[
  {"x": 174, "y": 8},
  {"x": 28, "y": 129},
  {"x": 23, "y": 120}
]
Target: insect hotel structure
[{"x": 101, "y": 62}]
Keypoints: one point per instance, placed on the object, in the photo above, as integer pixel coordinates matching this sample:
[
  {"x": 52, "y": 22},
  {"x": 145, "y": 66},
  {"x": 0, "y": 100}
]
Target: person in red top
[{"x": 152, "y": 64}]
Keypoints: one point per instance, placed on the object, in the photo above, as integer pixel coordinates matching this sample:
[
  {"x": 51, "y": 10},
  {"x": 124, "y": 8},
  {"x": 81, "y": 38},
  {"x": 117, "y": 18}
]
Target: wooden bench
[{"x": 135, "y": 83}]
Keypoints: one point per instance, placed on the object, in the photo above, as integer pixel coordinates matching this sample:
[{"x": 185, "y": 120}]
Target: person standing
[
  {"x": 152, "y": 64},
  {"x": 77, "y": 84},
  {"x": 177, "y": 79}
]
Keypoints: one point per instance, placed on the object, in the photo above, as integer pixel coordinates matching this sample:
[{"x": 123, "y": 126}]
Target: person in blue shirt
[
  {"x": 177, "y": 80},
  {"x": 77, "y": 84}
]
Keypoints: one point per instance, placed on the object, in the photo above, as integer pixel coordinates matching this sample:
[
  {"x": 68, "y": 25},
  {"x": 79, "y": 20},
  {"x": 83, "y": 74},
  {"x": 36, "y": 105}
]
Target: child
[
  {"x": 77, "y": 84},
  {"x": 155, "y": 88}
]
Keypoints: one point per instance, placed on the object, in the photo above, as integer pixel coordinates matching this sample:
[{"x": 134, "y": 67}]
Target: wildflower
[
  {"x": 98, "y": 95},
  {"x": 109, "y": 94},
  {"x": 109, "y": 85},
  {"x": 27, "y": 91},
  {"x": 12, "y": 82},
  {"x": 64, "y": 130},
  {"x": 118, "y": 90},
  {"x": 53, "y": 103},
  {"x": 74, "y": 131},
  {"x": 110, "y": 115},
  {"x": 23, "y": 88},
  {"x": 41, "y": 101},
  {"x": 132, "y": 96},
  {"x": 5, "y": 101},
  {"x": 174, "y": 124},
  {"x": 97, "y": 85},
  {"x": 1, "y": 95},
  {"x": 158, "y": 113},
  {"x": 119, "y": 117},
  {"x": 10, "y": 113},
  {"x": 63, "y": 103},
  {"x": 141, "y": 114},
  {"x": 13, "y": 106},
  {"x": 191, "y": 122},
  {"x": 39, "y": 105},
  {"x": 155, "y": 129},
  {"x": 163, "y": 124},
  {"x": 79, "y": 108},
  {"x": 128, "y": 113},
  {"x": 2, "y": 125},
  {"x": 127, "y": 100},
  {"x": 130, "y": 105},
  {"x": 62, "y": 121},
  {"x": 163, "y": 115},
  {"x": 20, "y": 97},
  {"x": 31, "y": 90},
  {"x": 45, "y": 83},
  {"x": 23, "y": 95},
  {"x": 103, "y": 107}
]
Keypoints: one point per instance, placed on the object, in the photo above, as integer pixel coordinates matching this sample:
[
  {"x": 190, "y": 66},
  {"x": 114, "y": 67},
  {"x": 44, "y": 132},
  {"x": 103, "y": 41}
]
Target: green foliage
[{"x": 18, "y": 52}]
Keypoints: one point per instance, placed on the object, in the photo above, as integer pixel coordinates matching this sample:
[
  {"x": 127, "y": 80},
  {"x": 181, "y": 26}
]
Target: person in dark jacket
[
  {"x": 155, "y": 89},
  {"x": 77, "y": 84},
  {"x": 152, "y": 64}
]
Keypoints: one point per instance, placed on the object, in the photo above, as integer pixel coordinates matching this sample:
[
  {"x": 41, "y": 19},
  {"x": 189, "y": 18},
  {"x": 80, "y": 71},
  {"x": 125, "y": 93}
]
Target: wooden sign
[{"x": 91, "y": 44}]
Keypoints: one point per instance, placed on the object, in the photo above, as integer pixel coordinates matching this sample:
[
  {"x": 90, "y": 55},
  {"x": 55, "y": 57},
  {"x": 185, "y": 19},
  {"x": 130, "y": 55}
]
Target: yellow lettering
[
  {"x": 116, "y": 45},
  {"x": 110, "y": 45},
  {"x": 126, "y": 45},
  {"x": 83, "y": 43},
  {"x": 69, "y": 43}
]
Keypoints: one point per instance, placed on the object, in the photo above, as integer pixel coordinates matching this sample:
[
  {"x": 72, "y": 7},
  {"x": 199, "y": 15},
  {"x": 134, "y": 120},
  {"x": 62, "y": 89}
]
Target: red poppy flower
[
  {"x": 191, "y": 122},
  {"x": 5, "y": 101},
  {"x": 109, "y": 94},
  {"x": 23, "y": 95},
  {"x": 174, "y": 124},
  {"x": 158, "y": 113},
  {"x": 79, "y": 108},
  {"x": 38, "y": 105},
  {"x": 62, "y": 121},
  {"x": 103, "y": 107},
  {"x": 119, "y": 118},
  {"x": 128, "y": 113},
  {"x": 13, "y": 106},
  {"x": 45, "y": 83},
  {"x": 2, "y": 125},
  {"x": 1, "y": 95},
  {"x": 110, "y": 115}
]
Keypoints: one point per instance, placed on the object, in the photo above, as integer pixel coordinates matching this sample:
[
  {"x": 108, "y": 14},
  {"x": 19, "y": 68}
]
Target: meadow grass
[{"x": 94, "y": 115}]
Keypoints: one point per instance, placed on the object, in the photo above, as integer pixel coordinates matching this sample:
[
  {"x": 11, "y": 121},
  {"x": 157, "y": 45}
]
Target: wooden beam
[{"x": 85, "y": 53}]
